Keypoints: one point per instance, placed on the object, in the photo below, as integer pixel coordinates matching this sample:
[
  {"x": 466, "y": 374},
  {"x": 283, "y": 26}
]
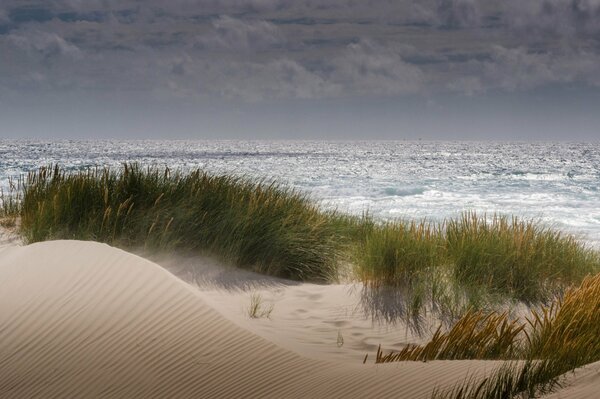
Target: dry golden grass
[
  {"x": 561, "y": 337},
  {"x": 258, "y": 309},
  {"x": 570, "y": 326},
  {"x": 477, "y": 335}
]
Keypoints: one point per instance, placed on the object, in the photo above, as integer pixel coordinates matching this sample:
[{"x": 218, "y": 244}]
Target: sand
[
  {"x": 583, "y": 383},
  {"x": 83, "y": 319},
  {"x": 326, "y": 322}
]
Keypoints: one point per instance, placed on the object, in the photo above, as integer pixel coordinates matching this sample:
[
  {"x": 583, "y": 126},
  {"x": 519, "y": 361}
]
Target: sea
[{"x": 554, "y": 183}]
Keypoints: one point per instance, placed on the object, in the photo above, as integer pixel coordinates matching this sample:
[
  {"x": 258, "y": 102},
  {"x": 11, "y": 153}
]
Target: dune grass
[
  {"x": 469, "y": 262},
  {"x": 556, "y": 339},
  {"x": 520, "y": 259},
  {"x": 398, "y": 254},
  {"x": 10, "y": 204},
  {"x": 399, "y": 265},
  {"x": 526, "y": 379},
  {"x": 450, "y": 267},
  {"x": 570, "y": 328},
  {"x": 252, "y": 224},
  {"x": 477, "y": 335}
]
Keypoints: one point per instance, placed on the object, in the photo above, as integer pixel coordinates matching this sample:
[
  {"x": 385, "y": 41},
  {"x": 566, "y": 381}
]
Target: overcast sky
[{"x": 332, "y": 69}]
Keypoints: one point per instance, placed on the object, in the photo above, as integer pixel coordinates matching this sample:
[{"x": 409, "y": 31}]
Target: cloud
[
  {"x": 3, "y": 16},
  {"x": 468, "y": 85},
  {"x": 518, "y": 69},
  {"x": 454, "y": 14},
  {"x": 231, "y": 34},
  {"x": 257, "y": 50},
  {"x": 362, "y": 68},
  {"x": 552, "y": 19},
  {"x": 365, "y": 68},
  {"x": 278, "y": 79},
  {"x": 46, "y": 44}
]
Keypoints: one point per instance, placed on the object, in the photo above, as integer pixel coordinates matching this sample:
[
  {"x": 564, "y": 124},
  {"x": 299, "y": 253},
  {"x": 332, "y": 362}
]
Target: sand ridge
[{"x": 82, "y": 319}]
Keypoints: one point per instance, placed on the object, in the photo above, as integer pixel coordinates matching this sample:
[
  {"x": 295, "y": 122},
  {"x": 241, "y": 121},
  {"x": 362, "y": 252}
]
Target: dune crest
[{"x": 82, "y": 319}]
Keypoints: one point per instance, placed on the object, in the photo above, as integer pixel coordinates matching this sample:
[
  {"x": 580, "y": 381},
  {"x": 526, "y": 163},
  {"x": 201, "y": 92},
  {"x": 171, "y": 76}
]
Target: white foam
[{"x": 554, "y": 182}]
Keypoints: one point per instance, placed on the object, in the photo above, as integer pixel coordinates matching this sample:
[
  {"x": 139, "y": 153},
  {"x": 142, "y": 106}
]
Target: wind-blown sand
[{"x": 82, "y": 319}]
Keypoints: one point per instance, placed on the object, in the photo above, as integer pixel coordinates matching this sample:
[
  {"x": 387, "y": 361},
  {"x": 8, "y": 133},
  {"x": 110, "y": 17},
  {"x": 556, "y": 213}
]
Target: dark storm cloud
[
  {"x": 552, "y": 19},
  {"x": 456, "y": 14},
  {"x": 261, "y": 51},
  {"x": 168, "y": 49}
]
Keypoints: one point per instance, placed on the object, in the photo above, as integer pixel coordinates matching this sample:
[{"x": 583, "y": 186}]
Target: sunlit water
[{"x": 557, "y": 183}]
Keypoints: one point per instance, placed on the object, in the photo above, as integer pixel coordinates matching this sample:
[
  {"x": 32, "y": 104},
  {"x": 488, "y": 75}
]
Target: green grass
[
  {"x": 516, "y": 258},
  {"x": 399, "y": 264},
  {"x": 448, "y": 268},
  {"x": 252, "y": 224},
  {"x": 398, "y": 254},
  {"x": 469, "y": 262},
  {"x": 10, "y": 204}
]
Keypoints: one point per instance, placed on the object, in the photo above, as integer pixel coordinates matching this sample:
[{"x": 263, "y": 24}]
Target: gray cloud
[
  {"x": 551, "y": 19},
  {"x": 366, "y": 68},
  {"x": 517, "y": 69},
  {"x": 455, "y": 14},
  {"x": 45, "y": 44},
  {"x": 231, "y": 34},
  {"x": 263, "y": 50}
]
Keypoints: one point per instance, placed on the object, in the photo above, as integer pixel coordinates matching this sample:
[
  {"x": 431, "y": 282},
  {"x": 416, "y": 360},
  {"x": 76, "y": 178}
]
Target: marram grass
[
  {"x": 253, "y": 224},
  {"x": 467, "y": 262},
  {"x": 10, "y": 204},
  {"x": 557, "y": 339},
  {"x": 521, "y": 259},
  {"x": 570, "y": 328},
  {"x": 397, "y": 253},
  {"x": 477, "y": 335},
  {"x": 472, "y": 261},
  {"x": 525, "y": 379},
  {"x": 258, "y": 309}
]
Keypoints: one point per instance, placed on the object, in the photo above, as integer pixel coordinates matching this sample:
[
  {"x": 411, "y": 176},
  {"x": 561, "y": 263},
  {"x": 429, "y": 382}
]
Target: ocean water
[{"x": 556, "y": 183}]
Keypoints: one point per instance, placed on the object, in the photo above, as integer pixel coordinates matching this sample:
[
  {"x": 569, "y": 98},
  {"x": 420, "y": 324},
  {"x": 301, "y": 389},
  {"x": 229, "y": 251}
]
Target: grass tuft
[
  {"x": 257, "y": 225},
  {"x": 258, "y": 309},
  {"x": 562, "y": 337},
  {"x": 520, "y": 259},
  {"x": 477, "y": 335}
]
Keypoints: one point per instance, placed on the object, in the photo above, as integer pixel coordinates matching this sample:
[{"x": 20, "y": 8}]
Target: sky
[{"x": 303, "y": 69}]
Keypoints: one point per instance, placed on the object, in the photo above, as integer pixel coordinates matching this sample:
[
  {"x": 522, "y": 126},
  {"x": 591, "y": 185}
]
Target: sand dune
[{"x": 82, "y": 319}]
